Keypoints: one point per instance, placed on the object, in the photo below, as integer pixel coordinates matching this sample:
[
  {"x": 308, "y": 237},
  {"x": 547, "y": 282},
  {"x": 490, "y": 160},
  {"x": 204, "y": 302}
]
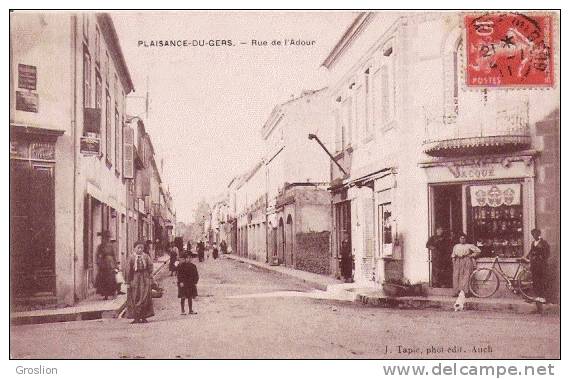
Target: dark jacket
[
  {"x": 188, "y": 274},
  {"x": 540, "y": 252}
]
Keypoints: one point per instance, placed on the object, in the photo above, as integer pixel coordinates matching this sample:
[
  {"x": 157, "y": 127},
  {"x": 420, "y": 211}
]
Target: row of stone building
[
  {"x": 79, "y": 164},
  {"x": 432, "y": 119}
]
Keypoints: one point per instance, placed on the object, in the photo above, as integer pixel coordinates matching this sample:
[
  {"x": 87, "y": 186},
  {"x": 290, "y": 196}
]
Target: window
[
  {"x": 107, "y": 68},
  {"x": 97, "y": 46},
  {"x": 86, "y": 79},
  {"x": 108, "y": 135},
  {"x": 367, "y": 114},
  {"x": 338, "y": 130},
  {"x": 385, "y": 229},
  {"x": 98, "y": 92},
  {"x": 384, "y": 90},
  {"x": 360, "y": 113},
  {"x": 495, "y": 219},
  {"x": 346, "y": 120},
  {"x": 117, "y": 139}
]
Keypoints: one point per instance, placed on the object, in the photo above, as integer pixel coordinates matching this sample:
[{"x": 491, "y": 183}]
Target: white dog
[{"x": 460, "y": 302}]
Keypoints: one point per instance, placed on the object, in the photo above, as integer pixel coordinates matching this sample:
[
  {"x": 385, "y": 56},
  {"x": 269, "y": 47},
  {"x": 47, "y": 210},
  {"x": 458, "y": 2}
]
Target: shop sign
[
  {"x": 42, "y": 150},
  {"x": 27, "y": 76},
  {"x": 27, "y": 101},
  {"x": 472, "y": 172},
  {"x": 90, "y": 145},
  {"x": 509, "y": 50}
]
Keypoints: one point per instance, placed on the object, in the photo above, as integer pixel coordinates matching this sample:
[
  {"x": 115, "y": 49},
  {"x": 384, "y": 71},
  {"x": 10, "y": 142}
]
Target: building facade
[
  {"x": 426, "y": 142},
  {"x": 298, "y": 203},
  {"x": 68, "y": 84}
]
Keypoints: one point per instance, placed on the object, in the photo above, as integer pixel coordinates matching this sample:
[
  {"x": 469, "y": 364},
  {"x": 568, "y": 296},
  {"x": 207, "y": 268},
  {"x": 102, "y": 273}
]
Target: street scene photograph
[{"x": 284, "y": 185}]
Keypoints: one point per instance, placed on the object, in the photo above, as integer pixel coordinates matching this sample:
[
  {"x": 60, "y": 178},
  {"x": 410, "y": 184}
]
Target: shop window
[{"x": 495, "y": 219}]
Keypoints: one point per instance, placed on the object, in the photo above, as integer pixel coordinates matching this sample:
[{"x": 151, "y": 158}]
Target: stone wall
[{"x": 312, "y": 250}]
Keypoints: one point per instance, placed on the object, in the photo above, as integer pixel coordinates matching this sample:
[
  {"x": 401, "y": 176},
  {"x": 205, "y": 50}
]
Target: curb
[
  {"x": 425, "y": 303},
  {"x": 267, "y": 268},
  {"x": 75, "y": 316}
]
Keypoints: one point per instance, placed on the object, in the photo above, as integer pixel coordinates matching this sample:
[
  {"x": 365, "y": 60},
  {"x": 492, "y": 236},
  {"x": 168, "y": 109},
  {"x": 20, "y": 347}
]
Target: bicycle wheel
[
  {"x": 483, "y": 282},
  {"x": 523, "y": 281}
]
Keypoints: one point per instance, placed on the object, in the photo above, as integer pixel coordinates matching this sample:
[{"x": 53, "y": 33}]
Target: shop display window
[{"x": 495, "y": 219}]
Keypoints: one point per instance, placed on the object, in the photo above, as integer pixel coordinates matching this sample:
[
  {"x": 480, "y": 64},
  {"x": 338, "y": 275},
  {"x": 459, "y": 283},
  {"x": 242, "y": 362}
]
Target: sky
[{"x": 208, "y": 103}]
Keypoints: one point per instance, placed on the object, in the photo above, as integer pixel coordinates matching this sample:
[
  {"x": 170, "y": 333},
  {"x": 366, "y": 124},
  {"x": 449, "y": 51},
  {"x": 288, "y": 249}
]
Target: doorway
[
  {"x": 32, "y": 229},
  {"x": 447, "y": 213}
]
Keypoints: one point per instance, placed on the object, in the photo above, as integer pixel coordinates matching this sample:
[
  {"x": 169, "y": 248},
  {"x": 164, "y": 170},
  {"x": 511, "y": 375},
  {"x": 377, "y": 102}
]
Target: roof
[
  {"x": 108, "y": 30},
  {"x": 357, "y": 26}
]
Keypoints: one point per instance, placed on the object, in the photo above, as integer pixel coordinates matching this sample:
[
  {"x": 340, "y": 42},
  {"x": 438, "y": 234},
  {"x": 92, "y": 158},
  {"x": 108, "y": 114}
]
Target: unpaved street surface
[{"x": 244, "y": 312}]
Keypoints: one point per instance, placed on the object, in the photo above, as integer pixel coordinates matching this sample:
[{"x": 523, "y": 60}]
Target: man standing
[
  {"x": 538, "y": 255},
  {"x": 441, "y": 263}
]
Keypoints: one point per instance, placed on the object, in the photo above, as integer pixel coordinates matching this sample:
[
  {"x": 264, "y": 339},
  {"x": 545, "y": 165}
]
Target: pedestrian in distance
[
  {"x": 224, "y": 247},
  {"x": 538, "y": 255},
  {"x": 187, "y": 279},
  {"x": 215, "y": 252},
  {"x": 189, "y": 248},
  {"x": 139, "y": 282},
  {"x": 105, "y": 282},
  {"x": 173, "y": 252},
  {"x": 200, "y": 249},
  {"x": 463, "y": 257},
  {"x": 346, "y": 259}
]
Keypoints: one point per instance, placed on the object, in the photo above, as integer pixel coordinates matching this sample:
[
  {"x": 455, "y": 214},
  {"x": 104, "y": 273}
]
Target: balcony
[{"x": 489, "y": 128}]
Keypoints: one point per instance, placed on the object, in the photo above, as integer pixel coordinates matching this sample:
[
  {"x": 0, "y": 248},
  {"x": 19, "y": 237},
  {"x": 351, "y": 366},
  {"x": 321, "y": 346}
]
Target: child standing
[{"x": 187, "y": 280}]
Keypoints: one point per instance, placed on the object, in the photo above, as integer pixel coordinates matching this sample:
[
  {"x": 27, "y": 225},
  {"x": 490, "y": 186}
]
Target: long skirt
[
  {"x": 106, "y": 282},
  {"x": 139, "y": 299},
  {"x": 462, "y": 269}
]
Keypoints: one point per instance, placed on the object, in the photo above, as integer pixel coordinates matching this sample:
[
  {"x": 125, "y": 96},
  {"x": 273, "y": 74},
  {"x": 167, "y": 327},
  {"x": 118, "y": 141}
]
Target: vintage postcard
[{"x": 285, "y": 185}]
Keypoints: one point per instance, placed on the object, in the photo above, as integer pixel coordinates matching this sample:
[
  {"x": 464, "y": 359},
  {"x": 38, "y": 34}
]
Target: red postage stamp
[{"x": 509, "y": 50}]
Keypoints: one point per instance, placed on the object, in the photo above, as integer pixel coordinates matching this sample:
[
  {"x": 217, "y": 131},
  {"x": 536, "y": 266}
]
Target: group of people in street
[
  {"x": 139, "y": 270},
  {"x": 461, "y": 257}
]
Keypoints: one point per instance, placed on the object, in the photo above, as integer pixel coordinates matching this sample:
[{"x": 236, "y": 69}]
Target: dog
[{"x": 459, "y": 302}]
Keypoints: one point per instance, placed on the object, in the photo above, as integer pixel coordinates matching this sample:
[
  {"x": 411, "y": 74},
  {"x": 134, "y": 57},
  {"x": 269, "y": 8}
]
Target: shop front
[{"x": 491, "y": 200}]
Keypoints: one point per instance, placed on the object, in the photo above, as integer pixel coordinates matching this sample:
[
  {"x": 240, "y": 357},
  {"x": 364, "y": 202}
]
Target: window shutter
[{"x": 128, "y": 153}]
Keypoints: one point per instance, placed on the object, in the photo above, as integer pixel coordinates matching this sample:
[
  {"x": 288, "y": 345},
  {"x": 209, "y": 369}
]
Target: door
[
  {"x": 32, "y": 229},
  {"x": 289, "y": 241},
  {"x": 447, "y": 213}
]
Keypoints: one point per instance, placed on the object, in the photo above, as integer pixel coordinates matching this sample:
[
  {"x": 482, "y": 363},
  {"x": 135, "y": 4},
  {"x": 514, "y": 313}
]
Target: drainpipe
[{"x": 74, "y": 145}]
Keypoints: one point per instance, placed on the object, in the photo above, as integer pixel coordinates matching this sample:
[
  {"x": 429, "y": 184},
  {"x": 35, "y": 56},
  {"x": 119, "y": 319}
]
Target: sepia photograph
[{"x": 284, "y": 184}]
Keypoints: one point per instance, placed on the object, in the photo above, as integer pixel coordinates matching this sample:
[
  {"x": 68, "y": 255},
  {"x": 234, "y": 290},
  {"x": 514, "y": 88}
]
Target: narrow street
[{"x": 244, "y": 312}]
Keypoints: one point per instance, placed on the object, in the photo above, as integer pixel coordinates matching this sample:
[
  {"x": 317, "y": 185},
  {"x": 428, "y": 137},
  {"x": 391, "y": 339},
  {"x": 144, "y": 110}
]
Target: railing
[{"x": 480, "y": 128}]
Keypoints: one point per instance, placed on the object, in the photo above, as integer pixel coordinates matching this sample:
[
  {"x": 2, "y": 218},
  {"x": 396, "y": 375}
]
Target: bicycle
[{"x": 484, "y": 282}]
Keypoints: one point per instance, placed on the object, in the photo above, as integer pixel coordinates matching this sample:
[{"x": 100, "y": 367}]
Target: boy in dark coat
[{"x": 187, "y": 280}]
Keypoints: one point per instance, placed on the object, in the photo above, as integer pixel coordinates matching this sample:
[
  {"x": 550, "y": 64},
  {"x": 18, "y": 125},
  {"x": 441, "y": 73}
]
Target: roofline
[
  {"x": 357, "y": 26},
  {"x": 108, "y": 26}
]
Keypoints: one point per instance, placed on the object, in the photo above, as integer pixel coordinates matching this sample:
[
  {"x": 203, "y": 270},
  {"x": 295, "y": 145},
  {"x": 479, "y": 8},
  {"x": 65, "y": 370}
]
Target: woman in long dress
[
  {"x": 139, "y": 280},
  {"x": 463, "y": 257},
  {"x": 106, "y": 282}
]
